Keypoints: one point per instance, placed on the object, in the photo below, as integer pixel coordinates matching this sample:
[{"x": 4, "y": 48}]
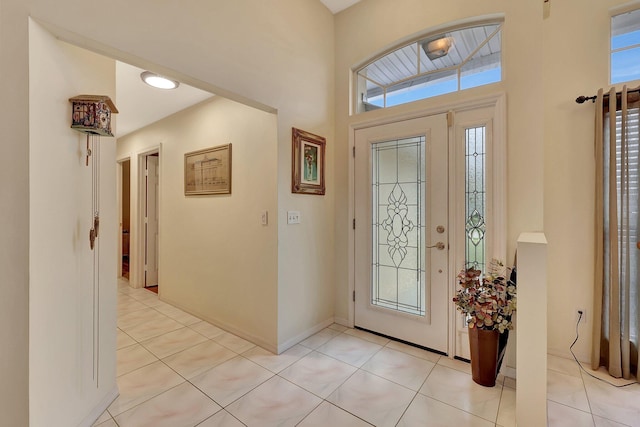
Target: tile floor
[{"x": 175, "y": 370}]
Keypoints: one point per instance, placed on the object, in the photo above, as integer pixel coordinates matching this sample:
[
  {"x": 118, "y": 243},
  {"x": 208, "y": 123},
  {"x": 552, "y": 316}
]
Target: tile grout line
[
  {"x": 311, "y": 350},
  {"x": 460, "y": 409},
  {"x": 407, "y": 408},
  {"x": 222, "y": 408},
  {"x": 323, "y": 399},
  {"x": 359, "y": 368},
  {"x": 309, "y": 391},
  {"x": 165, "y": 364},
  {"x": 342, "y": 383},
  {"x": 238, "y": 398},
  {"x": 584, "y": 387},
  {"x": 499, "y": 404},
  {"x": 179, "y": 351}
]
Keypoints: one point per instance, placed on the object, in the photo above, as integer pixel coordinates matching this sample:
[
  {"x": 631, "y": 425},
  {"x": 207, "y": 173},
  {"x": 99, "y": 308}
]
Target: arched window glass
[{"x": 434, "y": 65}]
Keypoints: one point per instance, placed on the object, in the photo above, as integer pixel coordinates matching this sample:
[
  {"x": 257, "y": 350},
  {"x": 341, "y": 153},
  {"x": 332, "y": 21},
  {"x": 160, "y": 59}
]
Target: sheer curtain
[{"x": 617, "y": 247}]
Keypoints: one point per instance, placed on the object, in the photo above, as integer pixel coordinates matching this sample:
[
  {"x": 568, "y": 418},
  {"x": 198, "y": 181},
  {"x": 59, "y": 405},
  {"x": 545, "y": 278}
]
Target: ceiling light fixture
[
  {"x": 437, "y": 48},
  {"x": 152, "y": 79}
]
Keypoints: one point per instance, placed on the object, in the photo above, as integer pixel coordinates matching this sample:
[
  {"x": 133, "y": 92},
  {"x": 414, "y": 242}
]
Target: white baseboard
[
  {"x": 96, "y": 412},
  {"x": 304, "y": 335},
  {"x": 259, "y": 341},
  {"x": 508, "y": 371},
  {"x": 566, "y": 354},
  {"x": 343, "y": 322}
]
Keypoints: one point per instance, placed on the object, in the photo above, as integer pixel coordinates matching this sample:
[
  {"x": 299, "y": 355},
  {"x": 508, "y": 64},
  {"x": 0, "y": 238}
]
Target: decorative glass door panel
[
  {"x": 475, "y": 200},
  {"x": 398, "y": 221},
  {"x": 401, "y": 206}
]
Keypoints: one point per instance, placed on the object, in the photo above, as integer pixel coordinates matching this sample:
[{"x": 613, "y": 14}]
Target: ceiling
[
  {"x": 139, "y": 105},
  {"x": 336, "y": 6}
]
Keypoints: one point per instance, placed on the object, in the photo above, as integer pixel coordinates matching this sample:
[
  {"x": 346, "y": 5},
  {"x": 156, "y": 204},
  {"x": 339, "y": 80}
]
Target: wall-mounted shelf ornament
[{"x": 91, "y": 114}]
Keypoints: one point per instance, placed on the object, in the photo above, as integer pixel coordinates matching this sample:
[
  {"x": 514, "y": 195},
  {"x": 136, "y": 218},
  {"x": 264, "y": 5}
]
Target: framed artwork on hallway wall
[
  {"x": 208, "y": 171},
  {"x": 307, "y": 163}
]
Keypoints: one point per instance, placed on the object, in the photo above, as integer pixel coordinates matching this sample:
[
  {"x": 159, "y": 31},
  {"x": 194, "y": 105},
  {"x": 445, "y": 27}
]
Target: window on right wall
[{"x": 625, "y": 47}]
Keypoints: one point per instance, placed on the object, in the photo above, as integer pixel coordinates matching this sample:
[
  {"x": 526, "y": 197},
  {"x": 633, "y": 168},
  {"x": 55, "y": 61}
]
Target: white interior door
[
  {"x": 151, "y": 222},
  {"x": 401, "y": 208}
]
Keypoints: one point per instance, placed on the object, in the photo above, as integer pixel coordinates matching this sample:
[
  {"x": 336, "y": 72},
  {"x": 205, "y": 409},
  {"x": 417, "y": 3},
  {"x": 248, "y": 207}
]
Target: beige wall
[
  {"x": 375, "y": 25},
  {"x": 547, "y": 64},
  {"x": 217, "y": 260},
  {"x": 65, "y": 316},
  {"x": 576, "y": 63},
  {"x": 278, "y": 55},
  {"x": 14, "y": 213}
]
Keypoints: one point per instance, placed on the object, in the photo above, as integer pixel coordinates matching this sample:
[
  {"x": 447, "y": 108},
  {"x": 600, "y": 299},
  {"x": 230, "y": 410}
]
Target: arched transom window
[{"x": 441, "y": 63}]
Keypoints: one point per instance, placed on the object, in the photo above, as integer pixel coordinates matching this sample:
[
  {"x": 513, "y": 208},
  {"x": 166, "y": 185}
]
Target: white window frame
[
  {"x": 358, "y": 90},
  {"x": 613, "y": 13}
]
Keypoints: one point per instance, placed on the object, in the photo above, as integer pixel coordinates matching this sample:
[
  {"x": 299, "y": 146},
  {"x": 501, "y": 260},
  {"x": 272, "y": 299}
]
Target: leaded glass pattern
[
  {"x": 475, "y": 197},
  {"x": 398, "y": 225}
]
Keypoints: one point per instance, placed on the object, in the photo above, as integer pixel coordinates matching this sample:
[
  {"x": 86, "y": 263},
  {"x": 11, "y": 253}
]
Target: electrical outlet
[
  {"x": 293, "y": 217},
  {"x": 583, "y": 319}
]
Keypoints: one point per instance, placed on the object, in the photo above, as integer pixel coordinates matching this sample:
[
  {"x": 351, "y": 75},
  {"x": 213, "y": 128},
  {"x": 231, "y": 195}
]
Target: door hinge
[
  {"x": 449, "y": 118},
  {"x": 354, "y": 151},
  {"x": 354, "y": 296},
  {"x": 354, "y": 223}
]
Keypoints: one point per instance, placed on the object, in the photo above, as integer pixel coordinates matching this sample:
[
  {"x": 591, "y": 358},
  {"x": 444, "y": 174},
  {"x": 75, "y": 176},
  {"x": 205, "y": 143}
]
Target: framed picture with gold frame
[
  {"x": 307, "y": 163},
  {"x": 208, "y": 171}
]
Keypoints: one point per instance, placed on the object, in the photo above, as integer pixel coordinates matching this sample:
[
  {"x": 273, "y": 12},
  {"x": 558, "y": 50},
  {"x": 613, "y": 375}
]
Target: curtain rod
[{"x": 582, "y": 99}]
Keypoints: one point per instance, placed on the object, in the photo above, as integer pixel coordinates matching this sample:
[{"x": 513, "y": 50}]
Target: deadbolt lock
[{"x": 440, "y": 229}]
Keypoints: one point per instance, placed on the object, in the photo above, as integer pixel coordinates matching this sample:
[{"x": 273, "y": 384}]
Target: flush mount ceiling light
[
  {"x": 157, "y": 81},
  {"x": 437, "y": 48}
]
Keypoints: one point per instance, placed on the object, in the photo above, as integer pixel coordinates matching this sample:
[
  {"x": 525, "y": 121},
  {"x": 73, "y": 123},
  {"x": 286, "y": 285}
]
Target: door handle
[{"x": 439, "y": 246}]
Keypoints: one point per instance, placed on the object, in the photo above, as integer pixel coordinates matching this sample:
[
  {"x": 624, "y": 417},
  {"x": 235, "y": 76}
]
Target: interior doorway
[
  {"x": 149, "y": 217},
  {"x": 125, "y": 217}
]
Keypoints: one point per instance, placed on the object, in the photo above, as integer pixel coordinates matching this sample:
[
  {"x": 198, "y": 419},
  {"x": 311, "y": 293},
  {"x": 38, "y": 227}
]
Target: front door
[{"x": 401, "y": 236}]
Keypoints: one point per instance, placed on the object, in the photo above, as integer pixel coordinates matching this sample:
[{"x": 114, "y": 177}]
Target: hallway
[{"x": 175, "y": 370}]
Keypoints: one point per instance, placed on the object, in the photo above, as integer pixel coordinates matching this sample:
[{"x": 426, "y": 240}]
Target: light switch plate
[{"x": 264, "y": 217}]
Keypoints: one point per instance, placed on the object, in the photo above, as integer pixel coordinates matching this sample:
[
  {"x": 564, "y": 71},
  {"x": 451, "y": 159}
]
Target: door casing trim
[{"x": 137, "y": 268}]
